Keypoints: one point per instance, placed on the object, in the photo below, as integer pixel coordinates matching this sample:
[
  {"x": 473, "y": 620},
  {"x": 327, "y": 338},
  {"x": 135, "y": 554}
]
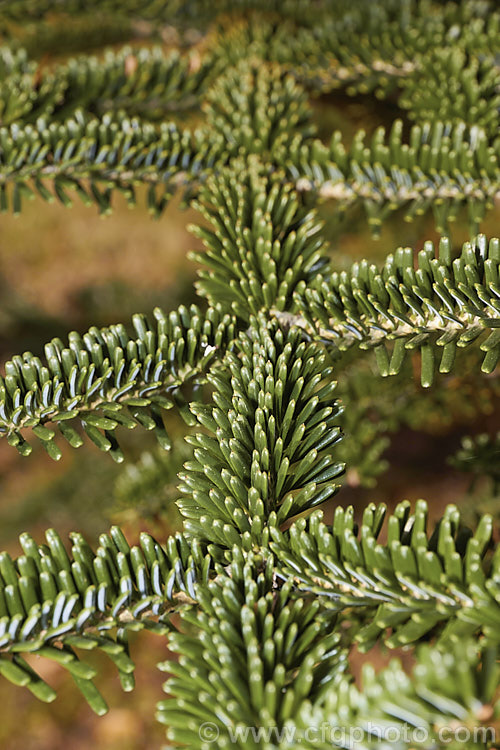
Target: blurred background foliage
[{"x": 66, "y": 270}]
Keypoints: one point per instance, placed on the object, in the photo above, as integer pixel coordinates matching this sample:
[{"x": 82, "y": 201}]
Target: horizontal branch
[
  {"x": 443, "y": 167},
  {"x": 367, "y": 47},
  {"x": 412, "y": 586},
  {"x": 439, "y": 306},
  {"x": 136, "y": 82},
  {"x": 52, "y": 601},
  {"x": 93, "y": 158},
  {"x": 106, "y": 379}
]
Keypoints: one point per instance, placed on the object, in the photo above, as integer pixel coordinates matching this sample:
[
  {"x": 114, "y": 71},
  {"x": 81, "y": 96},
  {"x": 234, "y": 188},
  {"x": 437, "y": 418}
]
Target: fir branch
[
  {"x": 108, "y": 154},
  {"x": 448, "y": 700},
  {"x": 141, "y": 82},
  {"x": 52, "y": 602},
  {"x": 444, "y": 303},
  {"x": 258, "y": 108},
  {"x": 256, "y": 656},
  {"x": 317, "y": 55},
  {"x": 272, "y": 429},
  {"x": 114, "y": 153},
  {"x": 414, "y": 584},
  {"x": 443, "y": 167},
  {"x": 264, "y": 245},
  {"x": 362, "y": 47},
  {"x": 458, "y": 88},
  {"x": 138, "y": 82},
  {"x": 24, "y": 96},
  {"x": 107, "y": 379}
]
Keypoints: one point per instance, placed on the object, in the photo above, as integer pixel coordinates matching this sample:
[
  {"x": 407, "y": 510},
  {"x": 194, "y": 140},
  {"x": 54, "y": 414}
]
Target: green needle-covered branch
[
  {"x": 52, "y": 601},
  {"x": 115, "y": 153},
  {"x": 409, "y": 587},
  {"x": 273, "y": 427},
  {"x": 365, "y": 47},
  {"x": 249, "y": 109},
  {"x": 258, "y": 108},
  {"x": 139, "y": 82},
  {"x": 23, "y": 97},
  {"x": 448, "y": 700},
  {"x": 94, "y": 157},
  {"x": 443, "y": 167},
  {"x": 106, "y": 379},
  {"x": 264, "y": 245},
  {"x": 458, "y": 89},
  {"x": 256, "y": 655},
  {"x": 434, "y": 308}
]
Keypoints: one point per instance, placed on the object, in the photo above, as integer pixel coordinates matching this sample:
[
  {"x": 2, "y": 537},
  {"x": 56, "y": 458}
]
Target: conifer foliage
[{"x": 272, "y": 599}]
